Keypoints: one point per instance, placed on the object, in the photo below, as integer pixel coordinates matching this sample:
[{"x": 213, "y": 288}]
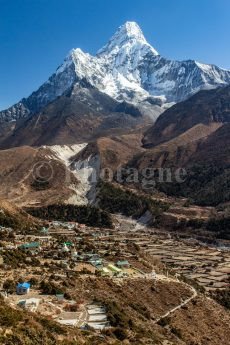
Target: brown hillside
[
  {"x": 203, "y": 108},
  {"x": 23, "y": 171}
]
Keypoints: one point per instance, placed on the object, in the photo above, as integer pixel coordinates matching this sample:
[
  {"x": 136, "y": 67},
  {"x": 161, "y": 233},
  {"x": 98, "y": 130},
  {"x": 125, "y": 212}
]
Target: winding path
[{"x": 182, "y": 304}]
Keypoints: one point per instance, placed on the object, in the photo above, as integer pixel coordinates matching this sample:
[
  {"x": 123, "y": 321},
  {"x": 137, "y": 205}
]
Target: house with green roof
[
  {"x": 123, "y": 264},
  {"x": 68, "y": 244},
  {"x": 113, "y": 268}
]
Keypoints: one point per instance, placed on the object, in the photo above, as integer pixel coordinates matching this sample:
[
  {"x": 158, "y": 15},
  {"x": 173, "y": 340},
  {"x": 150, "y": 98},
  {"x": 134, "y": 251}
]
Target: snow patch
[
  {"x": 86, "y": 171},
  {"x": 65, "y": 152}
]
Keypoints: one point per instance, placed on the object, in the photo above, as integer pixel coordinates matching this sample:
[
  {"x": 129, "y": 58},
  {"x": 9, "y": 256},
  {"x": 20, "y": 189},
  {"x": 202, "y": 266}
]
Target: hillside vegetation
[
  {"x": 89, "y": 215},
  {"x": 116, "y": 200},
  {"x": 204, "y": 185},
  {"x": 12, "y": 217}
]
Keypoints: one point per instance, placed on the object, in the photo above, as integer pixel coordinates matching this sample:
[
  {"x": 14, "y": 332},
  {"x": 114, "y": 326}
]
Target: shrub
[
  {"x": 14, "y": 258},
  {"x": 9, "y": 285},
  {"x": 177, "y": 332},
  {"x": 120, "y": 333},
  {"x": 116, "y": 315},
  {"x": 52, "y": 326},
  {"x": 49, "y": 288},
  {"x": 141, "y": 309},
  {"x": 164, "y": 322},
  {"x": 9, "y": 317},
  {"x": 222, "y": 297}
]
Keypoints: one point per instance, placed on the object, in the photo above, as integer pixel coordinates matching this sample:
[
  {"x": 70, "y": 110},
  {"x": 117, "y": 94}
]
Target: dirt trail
[{"x": 194, "y": 295}]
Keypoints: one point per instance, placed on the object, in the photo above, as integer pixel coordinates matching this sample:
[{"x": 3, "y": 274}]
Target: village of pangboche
[{"x": 70, "y": 272}]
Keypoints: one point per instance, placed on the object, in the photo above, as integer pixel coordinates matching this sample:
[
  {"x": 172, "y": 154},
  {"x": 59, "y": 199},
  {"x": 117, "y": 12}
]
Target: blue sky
[{"x": 35, "y": 35}]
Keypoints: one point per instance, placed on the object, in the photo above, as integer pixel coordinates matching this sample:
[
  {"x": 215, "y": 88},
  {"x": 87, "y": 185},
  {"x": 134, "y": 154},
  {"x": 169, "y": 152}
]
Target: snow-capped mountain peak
[
  {"x": 128, "y": 35},
  {"x": 129, "y": 69},
  {"x": 130, "y": 29}
]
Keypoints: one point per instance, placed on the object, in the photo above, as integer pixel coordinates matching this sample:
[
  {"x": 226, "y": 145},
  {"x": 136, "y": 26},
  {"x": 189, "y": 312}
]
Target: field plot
[{"x": 208, "y": 266}]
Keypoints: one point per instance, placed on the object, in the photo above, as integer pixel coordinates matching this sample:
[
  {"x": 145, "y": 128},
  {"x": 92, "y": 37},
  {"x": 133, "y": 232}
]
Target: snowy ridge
[
  {"x": 129, "y": 68},
  {"x": 126, "y": 68}
]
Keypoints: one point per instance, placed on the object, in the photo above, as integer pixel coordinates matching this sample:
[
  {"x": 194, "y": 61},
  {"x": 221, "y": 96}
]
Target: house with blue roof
[{"x": 23, "y": 288}]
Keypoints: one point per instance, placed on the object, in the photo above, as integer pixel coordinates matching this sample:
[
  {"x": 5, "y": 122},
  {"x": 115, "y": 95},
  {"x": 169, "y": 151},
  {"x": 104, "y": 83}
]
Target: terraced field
[{"x": 209, "y": 266}]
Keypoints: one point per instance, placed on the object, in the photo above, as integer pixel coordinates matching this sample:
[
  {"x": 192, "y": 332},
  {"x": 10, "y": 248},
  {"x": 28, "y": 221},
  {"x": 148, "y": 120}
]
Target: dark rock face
[
  {"x": 14, "y": 113},
  {"x": 80, "y": 115},
  {"x": 127, "y": 108}
]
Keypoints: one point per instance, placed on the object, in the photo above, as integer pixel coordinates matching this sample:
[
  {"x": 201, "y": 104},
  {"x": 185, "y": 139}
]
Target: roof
[
  {"x": 23, "y": 285},
  {"x": 29, "y": 301},
  {"x": 44, "y": 230},
  {"x": 72, "y": 322},
  {"x": 60, "y": 296},
  {"x": 105, "y": 270},
  {"x": 30, "y": 245},
  {"x": 91, "y": 255},
  {"x": 113, "y": 268},
  {"x": 68, "y": 243},
  {"x": 122, "y": 262},
  {"x": 95, "y": 260}
]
